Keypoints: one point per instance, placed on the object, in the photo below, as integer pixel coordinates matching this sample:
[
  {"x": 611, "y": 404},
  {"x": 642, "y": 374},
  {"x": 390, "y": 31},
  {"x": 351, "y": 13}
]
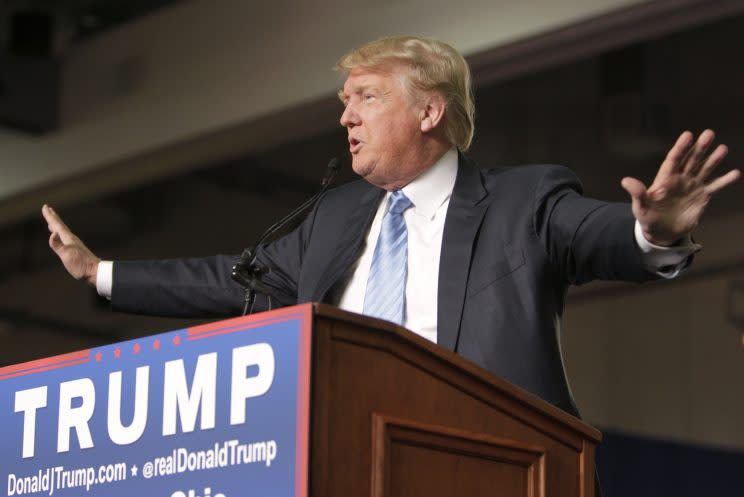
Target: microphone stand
[{"x": 247, "y": 272}]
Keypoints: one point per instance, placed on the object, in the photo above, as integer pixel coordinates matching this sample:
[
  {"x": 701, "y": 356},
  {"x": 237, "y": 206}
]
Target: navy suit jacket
[{"x": 514, "y": 240}]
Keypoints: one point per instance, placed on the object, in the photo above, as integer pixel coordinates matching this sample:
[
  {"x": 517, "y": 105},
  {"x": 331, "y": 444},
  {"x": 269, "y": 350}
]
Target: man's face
[{"x": 384, "y": 126}]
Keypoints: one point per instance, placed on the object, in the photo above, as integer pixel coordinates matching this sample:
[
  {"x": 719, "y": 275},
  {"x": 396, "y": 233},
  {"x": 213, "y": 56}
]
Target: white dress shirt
[{"x": 430, "y": 194}]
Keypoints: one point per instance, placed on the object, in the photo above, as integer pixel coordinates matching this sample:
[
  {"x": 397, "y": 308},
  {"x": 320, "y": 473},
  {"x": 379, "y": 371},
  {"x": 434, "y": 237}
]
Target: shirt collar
[{"x": 432, "y": 188}]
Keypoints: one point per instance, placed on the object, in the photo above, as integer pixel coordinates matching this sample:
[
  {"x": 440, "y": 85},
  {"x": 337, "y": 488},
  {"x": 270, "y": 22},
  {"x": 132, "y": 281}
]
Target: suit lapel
[
  {"x": 350, "y": 242},
  {"x": 464, "y": 217}
]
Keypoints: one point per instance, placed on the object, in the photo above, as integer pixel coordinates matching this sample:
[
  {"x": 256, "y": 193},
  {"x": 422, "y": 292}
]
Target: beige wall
[{"x": 662, "y": 359}]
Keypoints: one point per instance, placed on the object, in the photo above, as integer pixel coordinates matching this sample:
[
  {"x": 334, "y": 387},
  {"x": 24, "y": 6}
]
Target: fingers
[
  {"x": 722, "y": 181},
  {"x": 697, "y": 154},
  {"x": 48, "y": 213},
  {"x": 57, "y": 226},
  {"x": 675, "y": 158},
  {"x": 692, "y": 158},
  {"x": 712, "y": 162},
  {"x": 78, "y": 260},
  {"x": 53, "y": 220},
  {"x": 53, "y": 223}
]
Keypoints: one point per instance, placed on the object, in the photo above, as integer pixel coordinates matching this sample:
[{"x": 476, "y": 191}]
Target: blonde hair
[{"x": 433, "y": 66}]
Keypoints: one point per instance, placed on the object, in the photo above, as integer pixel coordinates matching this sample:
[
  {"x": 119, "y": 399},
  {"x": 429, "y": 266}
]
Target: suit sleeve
[
  {"x": 585, "y": 239},
  {"x": 203, "y": 287},
  {"x": 196, "y": 287}
]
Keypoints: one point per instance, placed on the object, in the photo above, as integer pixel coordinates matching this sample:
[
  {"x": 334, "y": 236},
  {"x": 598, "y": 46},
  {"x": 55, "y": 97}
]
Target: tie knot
[{"x": 398, "y": 202}]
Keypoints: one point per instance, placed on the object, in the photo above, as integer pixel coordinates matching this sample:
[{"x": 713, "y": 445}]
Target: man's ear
[{"x": 432, "y": 112}]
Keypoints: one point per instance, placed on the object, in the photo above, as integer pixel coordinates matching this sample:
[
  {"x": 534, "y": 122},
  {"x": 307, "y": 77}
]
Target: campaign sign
[{"x": 219, "y": 410}]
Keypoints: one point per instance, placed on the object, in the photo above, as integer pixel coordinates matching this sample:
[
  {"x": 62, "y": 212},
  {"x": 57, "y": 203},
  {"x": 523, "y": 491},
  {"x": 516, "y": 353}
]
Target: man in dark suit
[{"x": 487, "y": 255}]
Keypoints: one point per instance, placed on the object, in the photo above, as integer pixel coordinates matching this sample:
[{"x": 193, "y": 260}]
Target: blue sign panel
[{"x": 219, "y": 410}]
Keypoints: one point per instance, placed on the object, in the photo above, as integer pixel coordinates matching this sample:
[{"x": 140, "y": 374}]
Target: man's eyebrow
[{"x": 358, "y": 90}]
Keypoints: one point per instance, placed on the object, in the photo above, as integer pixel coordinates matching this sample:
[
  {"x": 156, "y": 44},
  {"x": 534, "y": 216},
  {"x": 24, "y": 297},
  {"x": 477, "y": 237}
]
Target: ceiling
[{"x": 75, "y": 20}]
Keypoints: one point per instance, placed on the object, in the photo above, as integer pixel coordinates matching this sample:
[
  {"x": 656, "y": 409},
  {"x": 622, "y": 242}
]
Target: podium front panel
[{"x": 219, "y": 410}]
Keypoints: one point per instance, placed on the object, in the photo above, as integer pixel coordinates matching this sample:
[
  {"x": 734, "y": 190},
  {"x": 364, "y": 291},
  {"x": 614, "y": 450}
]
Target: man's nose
[{"x": 349, "y": 117}]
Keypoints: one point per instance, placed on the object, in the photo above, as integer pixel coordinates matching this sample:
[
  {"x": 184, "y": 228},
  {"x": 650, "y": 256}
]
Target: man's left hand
[{"x": 671, "y": 207}]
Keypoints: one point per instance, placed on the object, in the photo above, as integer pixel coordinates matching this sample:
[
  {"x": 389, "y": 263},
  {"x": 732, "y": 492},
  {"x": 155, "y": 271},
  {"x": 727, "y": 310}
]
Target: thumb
[
  {"x": 55, "y": 242},
  {"x": 636, "y": 189}
]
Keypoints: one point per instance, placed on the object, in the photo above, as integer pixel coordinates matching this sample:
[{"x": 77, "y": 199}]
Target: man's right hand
[{"x": 80, "y": 262}]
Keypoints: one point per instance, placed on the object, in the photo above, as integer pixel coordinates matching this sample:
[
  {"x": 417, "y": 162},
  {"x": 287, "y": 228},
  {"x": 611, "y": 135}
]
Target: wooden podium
[
  {"x": 392, "y": 415},
  {"x": 305, "y": 400}
]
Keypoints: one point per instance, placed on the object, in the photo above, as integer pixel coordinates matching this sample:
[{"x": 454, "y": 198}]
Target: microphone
[
  {"x": 247, "y": 272},
  {"x": 331, "y": 171}
]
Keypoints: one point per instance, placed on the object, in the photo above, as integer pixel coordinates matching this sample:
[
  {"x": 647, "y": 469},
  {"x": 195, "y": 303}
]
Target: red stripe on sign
[
  {"x": 41, "y": 370},
  {"x": 46, "y": 364},
  {"x": 247, "y": 322},
  {"x": 241, "y": 327}
]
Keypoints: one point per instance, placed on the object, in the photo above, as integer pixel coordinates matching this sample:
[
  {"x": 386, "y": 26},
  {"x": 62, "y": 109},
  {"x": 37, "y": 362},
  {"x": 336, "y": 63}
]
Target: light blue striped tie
[{"x": 386, "y": 284}]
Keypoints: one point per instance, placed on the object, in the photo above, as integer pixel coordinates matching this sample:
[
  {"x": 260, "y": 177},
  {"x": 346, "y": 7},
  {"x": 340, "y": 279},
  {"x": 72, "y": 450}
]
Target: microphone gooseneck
[{"x": 247, "y": 272}]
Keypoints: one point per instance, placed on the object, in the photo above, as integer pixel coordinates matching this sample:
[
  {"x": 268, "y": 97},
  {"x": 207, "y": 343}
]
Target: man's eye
[{"x": 368, "y": 96}]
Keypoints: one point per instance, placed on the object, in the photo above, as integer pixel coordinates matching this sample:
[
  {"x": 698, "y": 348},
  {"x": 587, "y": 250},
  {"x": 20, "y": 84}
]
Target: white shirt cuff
[
  {"x": 104, "y": 278},
  {"x": 667, "y": 262}
]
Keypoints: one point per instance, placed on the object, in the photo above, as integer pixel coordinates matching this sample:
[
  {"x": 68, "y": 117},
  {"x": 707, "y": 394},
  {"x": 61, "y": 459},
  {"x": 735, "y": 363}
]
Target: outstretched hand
[
  {"x": 80, "y": 262},
  {"x": 671, "y": 207}
]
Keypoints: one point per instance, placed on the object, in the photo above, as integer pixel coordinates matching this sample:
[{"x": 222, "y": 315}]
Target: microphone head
[{"x": 331, "y": 170}]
